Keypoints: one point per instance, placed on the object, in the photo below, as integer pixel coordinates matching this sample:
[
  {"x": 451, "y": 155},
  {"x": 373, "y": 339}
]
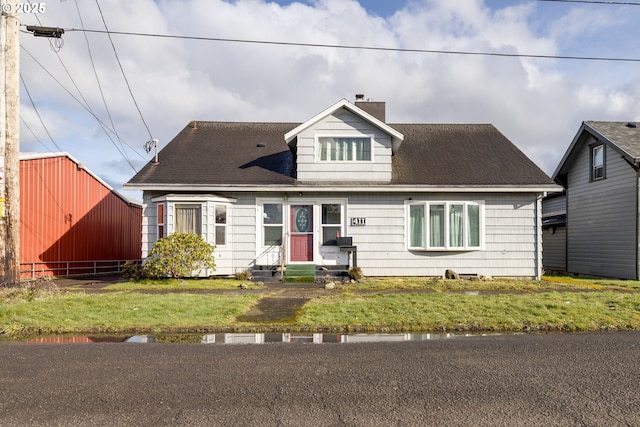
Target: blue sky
[{"x": 538, "y": 104}]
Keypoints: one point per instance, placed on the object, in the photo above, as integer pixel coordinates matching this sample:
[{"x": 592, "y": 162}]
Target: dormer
[{"x": 344, "y": 143}]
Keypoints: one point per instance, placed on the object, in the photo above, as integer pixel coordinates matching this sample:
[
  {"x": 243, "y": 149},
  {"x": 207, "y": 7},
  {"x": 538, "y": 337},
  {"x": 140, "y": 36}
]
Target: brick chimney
[{"x": 376, "y": 109}]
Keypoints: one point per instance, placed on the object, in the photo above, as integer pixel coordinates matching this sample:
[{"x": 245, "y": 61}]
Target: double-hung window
[
  {"x": 221, "y": 224},
  {"x": 160, "y": 212},
  {"x": 332, "y": 149},
  {"x": 597, "y": 162},
  {"x": 445, "y": 226},
  {"x": 272, "y": 224},
  {"x": 331, "y": 223}
]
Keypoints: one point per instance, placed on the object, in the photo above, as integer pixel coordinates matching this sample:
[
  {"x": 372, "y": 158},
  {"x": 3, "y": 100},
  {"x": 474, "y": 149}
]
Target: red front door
[{"x": 301, "y": 240}]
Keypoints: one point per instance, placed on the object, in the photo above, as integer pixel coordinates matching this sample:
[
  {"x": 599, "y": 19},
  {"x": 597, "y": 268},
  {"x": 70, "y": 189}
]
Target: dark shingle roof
[
  {"x": 462, "y": 154},
  {"x": 625, "y": 137},
  {"x": 219, "y": 153},
  {"x": 222, "y": 153}
]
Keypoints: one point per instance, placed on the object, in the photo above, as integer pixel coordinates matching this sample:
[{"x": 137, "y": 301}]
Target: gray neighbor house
[
  {"x": 346, "y": 188},
  {"x": 600, "y": 172}
]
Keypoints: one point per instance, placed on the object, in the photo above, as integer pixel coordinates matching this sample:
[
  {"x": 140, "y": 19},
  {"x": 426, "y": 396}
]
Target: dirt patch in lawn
[{"x": 274, "y": 310}]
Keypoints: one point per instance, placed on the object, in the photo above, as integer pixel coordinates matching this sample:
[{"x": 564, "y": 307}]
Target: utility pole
[{"x": 9, "y": 143}]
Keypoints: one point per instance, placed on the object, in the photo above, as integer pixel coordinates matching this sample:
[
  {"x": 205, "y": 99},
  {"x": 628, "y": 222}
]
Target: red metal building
[{"x": 71, "y": 221}]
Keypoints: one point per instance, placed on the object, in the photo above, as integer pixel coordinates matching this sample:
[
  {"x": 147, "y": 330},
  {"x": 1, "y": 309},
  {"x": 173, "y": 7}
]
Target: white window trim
[
  {"x": 316, "y": 151},
  {"x": 207, "y": 205},
  {"x": 260, "y": 225},
  {"x": 594, "y": 176},
  {"x": 446, "y": 247}
]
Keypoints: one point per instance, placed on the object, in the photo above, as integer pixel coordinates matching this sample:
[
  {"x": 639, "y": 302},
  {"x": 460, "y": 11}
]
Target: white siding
[
  {"x": 601, "y": 218},
  {"x": 511, "y": 235},
  {"x": 343, "y": 124}
]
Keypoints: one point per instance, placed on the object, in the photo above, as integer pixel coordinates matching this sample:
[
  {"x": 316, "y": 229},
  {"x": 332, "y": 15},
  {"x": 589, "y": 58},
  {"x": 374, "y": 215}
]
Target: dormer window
[{"x": 333, "y": 149}]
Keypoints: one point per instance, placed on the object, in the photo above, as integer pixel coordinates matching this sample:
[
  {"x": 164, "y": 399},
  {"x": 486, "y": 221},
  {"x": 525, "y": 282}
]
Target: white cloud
[{"x": 539, "y": 104}]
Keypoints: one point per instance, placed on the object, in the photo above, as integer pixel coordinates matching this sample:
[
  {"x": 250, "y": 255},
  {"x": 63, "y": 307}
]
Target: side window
[
  {"x": 272, "y": 224},
  {"x": 160, "y": 210},
  {"x": 597, "y": 162},
  {"x": 221, "y": 225}
]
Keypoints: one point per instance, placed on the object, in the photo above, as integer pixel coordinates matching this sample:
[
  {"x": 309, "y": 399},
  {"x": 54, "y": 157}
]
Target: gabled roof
[
  {"x": 211, "y": 156},
  {"x": 624, "y": 137},
  {"x": 25, "y": 156},
  {"x": 396, "y": 137}
]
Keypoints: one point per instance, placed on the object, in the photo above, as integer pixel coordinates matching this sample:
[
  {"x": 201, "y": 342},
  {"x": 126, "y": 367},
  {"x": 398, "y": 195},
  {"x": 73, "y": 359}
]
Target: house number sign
[{"x": 358, "y": 221}]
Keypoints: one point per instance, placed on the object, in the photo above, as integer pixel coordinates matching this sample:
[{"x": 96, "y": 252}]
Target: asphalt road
[{"x": 521, "y": 380}]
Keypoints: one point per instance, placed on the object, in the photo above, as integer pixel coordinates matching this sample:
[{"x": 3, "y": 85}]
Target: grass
[
  {"x": 179, "y": 285},
  {"x": 121, "y": 312},
  {"x": 556, "y": 303},
  {"x": 552, "y": 311}
]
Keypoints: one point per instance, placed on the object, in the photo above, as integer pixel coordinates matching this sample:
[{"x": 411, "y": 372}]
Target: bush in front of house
[{"x": 179, "y": 255}]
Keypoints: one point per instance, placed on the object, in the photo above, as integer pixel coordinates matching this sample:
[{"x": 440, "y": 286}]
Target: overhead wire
[
  {"x": 38, "y": 113},
  {"x": 72, "y": 95},
  {"x": 361, "y": 47},
  {"x": 86, "y": 105},
  {"x": 24, "y": 122},
  {"x": 122, "y": 71},
  {"x": 104, "y": 101},
  {"x": 615, "y": 3}
]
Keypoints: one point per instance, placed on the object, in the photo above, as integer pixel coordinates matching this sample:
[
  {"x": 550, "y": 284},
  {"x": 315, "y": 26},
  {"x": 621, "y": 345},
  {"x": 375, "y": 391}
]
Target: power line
[
  {"x": 24, "y": 122},
  {"x": 76, "y": 99},
  {"x": 104, "y": 101},
  {"x": 122, "y": 70},
  {"x": 360, "y": 47},
  {"x": 38, "y": 113},
  {"x": 618, "y": 3},
  {"x": 56, "y": 50}
]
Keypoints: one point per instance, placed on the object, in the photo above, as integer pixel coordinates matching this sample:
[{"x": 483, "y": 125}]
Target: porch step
[
  {"x": 300, "y": 273},
  {"x": 269, "y": 273}
]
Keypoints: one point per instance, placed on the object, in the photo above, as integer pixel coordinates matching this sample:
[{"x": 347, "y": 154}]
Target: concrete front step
[{"x": 266, "y": 273}]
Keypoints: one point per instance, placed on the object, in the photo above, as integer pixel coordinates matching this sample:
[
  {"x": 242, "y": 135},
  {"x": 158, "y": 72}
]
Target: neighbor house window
[
  {"x": 445, "y": 226},
  {"x": 272, "y": 224},
  {"x": 331, "y": 223},
  {"x": 597, "y": 162},
  {"x": 331, "y": 149},
  {"x": 160, "y": 208},
  {"x": 188, "y": 219},
  {"x": 221, "y": 224}
]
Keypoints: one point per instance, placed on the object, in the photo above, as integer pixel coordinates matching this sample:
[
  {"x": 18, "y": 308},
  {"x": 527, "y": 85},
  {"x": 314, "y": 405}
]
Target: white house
[{"x": 414, "y": 199}]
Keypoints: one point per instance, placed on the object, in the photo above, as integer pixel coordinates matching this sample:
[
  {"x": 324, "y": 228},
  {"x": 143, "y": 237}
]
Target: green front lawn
[{"x": 378, "y": 304}]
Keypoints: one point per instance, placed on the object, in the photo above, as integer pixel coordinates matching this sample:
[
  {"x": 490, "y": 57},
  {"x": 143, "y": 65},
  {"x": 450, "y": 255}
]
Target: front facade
[
  {"x": 410, "y": 200},
  {"x": 600, "y": 172}
]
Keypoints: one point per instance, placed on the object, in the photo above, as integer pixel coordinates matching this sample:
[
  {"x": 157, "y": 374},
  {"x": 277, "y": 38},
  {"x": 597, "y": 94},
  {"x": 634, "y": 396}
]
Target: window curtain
[
  {"x": 416, "y": 226},
  {"x": 344, "y": 149},
  {"x": 436, "y": 225},
  {"x": 456, "y": 226},
  {"x": 188, "y": 219}
]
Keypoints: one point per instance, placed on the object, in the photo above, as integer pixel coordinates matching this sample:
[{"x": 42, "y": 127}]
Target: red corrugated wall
[{"x": 68, "y": 215}]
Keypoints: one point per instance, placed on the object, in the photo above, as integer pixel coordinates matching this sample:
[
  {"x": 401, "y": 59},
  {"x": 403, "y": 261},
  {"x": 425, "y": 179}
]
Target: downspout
[
  {"x": 637, "y": 222},
  {"x": 538, "y": 263}
]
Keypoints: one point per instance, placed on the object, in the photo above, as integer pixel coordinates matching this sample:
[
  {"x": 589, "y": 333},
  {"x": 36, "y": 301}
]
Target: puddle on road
[{"x": 254, "y": 338}]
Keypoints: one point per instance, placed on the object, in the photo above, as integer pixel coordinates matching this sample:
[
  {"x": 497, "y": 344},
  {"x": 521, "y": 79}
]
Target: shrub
[
  {"x": 131, "y": 270},
  {"x": 242, "y": 275},
  {"x": 355, "y": 273},
  {"x": 178, "y": 255}
]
